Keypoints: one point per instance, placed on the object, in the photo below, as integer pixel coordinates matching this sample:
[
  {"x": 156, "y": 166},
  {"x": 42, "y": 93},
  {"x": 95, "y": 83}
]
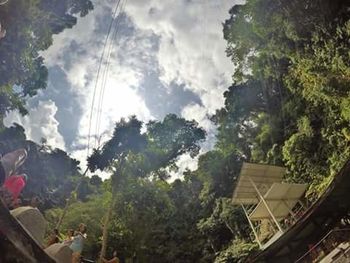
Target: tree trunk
[
  {"x": 58, "y": 225},
  {"x": 115, "y": 183},
  {"x": 105, "y": 229}
]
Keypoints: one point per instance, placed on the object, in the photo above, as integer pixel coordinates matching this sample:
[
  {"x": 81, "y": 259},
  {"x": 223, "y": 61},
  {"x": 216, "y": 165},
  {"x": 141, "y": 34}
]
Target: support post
[
  {"x": 252, "y": 226},
  {"x": 289, "y": 209},
  {"x": 266, "y": 205},
  {"x": 272, "y": 224}
]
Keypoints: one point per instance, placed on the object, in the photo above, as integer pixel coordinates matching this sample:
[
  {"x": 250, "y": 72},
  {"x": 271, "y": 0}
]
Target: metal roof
[
  {"x": 281, "y": 199},
  {"x": 264, "y": 176},
  {"x": 317, "y": 221}
]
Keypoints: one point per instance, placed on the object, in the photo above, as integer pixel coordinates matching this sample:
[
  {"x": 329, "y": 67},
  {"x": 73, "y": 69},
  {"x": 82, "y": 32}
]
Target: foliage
[
  {"x": 30, "y": 25},
  {"x": 236, "y": 252},
  {"x": 288, "y": 105},
  {"x": 52, "y": 173},
  {"x": 88, "y": 212},
  {"x": 132, "y": 154},
  {"x": 126, "y": 138}
]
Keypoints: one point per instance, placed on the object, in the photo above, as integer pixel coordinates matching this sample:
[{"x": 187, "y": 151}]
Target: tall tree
[
  {"x": 129, "y": 150},
  {"x": 30, "y": 25}
]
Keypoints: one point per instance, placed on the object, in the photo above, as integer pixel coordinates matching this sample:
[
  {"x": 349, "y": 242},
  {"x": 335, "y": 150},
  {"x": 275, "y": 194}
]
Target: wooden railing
[{"x": 329, "y": 242}]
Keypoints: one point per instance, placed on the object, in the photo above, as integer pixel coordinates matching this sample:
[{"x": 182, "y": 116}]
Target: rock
[
  {"x": 60, "y": 252},
  {"x": 32, "y": 221}
]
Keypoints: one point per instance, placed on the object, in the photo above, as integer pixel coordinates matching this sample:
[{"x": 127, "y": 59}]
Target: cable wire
[
  {"x": 106, "y": 73},
  {"x": 98, "y": 74}
]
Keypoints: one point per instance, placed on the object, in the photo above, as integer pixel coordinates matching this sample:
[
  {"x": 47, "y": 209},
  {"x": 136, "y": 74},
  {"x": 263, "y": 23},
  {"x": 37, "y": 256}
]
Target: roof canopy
[
  {"x": 263, "y": 176},
  {"x": 281, "y": 199}
]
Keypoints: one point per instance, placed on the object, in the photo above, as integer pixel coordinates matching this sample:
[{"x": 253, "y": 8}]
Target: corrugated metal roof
[
  {"x": 264, "y": 176},
  {"x": 316, "y": 222}
]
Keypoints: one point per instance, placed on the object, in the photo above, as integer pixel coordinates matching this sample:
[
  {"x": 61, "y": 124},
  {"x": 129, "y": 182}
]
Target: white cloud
[
  {"x": 40, "y": 123},
  {"x": 120, "y": 96},
  {"x": 120, "y": 101},
  {"x": 191, "y": 51},
  {"x": 185, "y": 162},
  {"x": 199, "y": 113}
]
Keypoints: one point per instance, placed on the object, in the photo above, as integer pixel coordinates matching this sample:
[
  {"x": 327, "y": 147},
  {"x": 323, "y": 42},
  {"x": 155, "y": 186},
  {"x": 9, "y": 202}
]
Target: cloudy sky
[{"x": 167, "y": 57}]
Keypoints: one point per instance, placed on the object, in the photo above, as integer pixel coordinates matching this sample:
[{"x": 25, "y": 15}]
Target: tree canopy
[
  {"x": 30, "y": 25},
  {"x": 288, "y": 104}
]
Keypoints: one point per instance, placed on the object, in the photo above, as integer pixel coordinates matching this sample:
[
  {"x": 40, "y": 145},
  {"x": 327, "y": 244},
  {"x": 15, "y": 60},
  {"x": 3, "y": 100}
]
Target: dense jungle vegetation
[{"x": 289, "y": 105}]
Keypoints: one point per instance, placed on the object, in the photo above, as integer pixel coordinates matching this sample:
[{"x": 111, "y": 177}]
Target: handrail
[
  {"x": 2, "y": 3},
  {"x": 319, "y": 242}
]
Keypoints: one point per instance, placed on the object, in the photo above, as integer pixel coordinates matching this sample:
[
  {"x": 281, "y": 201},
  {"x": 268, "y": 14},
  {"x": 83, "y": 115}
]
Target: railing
[
  {"x": 298, "y": 212},
  {"x": 326, "y": 245}
]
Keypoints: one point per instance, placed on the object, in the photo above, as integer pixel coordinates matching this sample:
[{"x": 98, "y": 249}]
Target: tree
[
  {"x": 29, "y": 26},
  {"x": 88, "y": 212},
  {"x": 126, "y": 138},
  {"x": 129, "y": 150},
  {"x": 52, "y": 173},
  {"x": 288, "y": 104}
]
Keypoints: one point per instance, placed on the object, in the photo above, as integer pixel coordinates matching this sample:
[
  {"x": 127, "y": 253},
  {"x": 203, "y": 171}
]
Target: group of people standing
[{"x": 74, "y": 239}]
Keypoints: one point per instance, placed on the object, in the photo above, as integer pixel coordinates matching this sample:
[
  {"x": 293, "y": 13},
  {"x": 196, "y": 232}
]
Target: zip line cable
[
  {"x": 98, "y": 74},
  {"x": 70, "y": 199},
  {"x": 106, "y": 72},
  {"x": 105, "y": 79},
  {"x": 99, "y": 71},
  {"x": 110, "y": 51}
]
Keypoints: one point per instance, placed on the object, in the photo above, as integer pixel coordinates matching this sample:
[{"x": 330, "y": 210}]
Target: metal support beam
[
  {"x": 266, "y": 205},
  {"x": 272, "y": 224},
  {"x": 289, "y": 209},
  {"x": 252, "y": 226}
]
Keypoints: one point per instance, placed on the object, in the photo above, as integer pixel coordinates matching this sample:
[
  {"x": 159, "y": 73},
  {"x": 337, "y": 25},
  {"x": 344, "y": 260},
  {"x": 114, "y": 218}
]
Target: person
[
  {"x": 34, "y": 202},
  {"x": 6, "y": 197},
  {"x": 115, "y": 259},
  {"x": 14, "y": 186},
  {"x": 54, "y": 238},
  {"x": 78, "y": 242},
  {"x": 10, "y": 162},
  {"x": 69, "y": 238}
]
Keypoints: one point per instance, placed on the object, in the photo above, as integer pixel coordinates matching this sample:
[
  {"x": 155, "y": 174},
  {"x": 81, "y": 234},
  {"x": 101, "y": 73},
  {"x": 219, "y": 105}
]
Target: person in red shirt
[{"x": 14, "y": 185}]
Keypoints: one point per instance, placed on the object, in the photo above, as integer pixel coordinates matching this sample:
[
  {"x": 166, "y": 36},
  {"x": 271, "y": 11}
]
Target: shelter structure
[
  {"x": 319, "y": 233},
  {"x": 269, "y": 204}
]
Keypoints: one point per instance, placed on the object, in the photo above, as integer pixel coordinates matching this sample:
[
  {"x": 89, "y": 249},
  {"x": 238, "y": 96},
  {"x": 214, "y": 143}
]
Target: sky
[{"x": 167, "y": 57}]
